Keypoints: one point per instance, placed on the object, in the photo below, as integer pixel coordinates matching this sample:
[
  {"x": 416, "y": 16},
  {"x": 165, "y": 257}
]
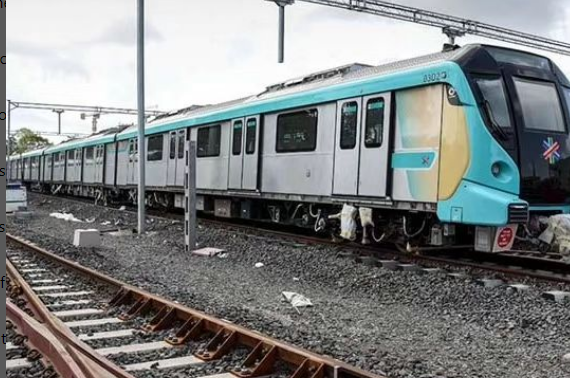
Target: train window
[
  {"x": 297, "y": 132},
  {"x": 493, "y": 91},
  {"x": 89, "y": 154},
  {"x": 519, "y": 58},
  {"x": 374, "y": 133},
  {"x": 237, "y": 141},
  {"x": 567, "y": 95},
  {"x": 172, "y": 146},
  {"x": 70, "y": 158},
  {"x": 349, "y": 126},
  {"x": 251, "y": 136},
  {"x": 155, "y": 147},
  {"x": 541, "y": 107},
  {"x": 181, "y": 143},
  {"x": 209, "y": 141}
]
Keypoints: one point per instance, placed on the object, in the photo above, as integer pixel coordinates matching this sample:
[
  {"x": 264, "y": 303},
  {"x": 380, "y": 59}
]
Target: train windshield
[
  {"x": 494, "y": 94},
  {"x": 541, "y": 106},
  {"x": 567, "y": 96},
  {"x": 519, "y": 58}
]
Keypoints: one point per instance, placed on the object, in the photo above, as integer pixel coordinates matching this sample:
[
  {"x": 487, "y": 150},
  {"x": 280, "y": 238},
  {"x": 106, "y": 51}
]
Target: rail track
[
  {"x": 515, "y": 264},
  {"x": 90, "y": 325},
  {"x": 525, "y": 264}
]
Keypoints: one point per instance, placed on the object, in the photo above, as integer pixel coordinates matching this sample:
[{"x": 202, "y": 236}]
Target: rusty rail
[
  {"x": 91, "y": 364},
  {"x": 40, "y": 339},
  {"x": 265, "y": 351}
]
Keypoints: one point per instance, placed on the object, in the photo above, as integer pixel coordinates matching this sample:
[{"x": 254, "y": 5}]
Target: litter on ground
[{"x": 65, "y": 217}]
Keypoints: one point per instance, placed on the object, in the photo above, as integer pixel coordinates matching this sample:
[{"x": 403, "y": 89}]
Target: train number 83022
[{"x": 434, "y": 77}]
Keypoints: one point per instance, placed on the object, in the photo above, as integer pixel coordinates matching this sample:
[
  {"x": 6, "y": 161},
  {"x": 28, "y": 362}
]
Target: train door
[
  {"x": 251, "y": 153},
  {"x": 244, "y": 154},
  {"x": 78, "y": 165},
  {"x": 374, "y": 146},
  {"x": 171, "y": 165},
  {"x": 132, "y": 174},
  {"x": 235, "y": 176},
  {"x": 99, "y": 163},
  {"x": 180, "y": 161},
  {"x": 347, "y": 150}
]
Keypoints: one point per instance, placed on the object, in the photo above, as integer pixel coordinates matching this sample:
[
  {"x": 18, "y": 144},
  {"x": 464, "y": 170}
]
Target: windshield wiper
[{"x": 496, "y": 128}]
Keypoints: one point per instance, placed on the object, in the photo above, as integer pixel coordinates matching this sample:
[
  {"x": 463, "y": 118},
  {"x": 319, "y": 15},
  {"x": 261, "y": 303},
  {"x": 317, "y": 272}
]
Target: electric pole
[{"x": 141, "y": 118}]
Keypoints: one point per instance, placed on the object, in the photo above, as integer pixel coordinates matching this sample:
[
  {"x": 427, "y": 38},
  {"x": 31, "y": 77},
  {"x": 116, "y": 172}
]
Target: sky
[{"x": 203, "y": 52}]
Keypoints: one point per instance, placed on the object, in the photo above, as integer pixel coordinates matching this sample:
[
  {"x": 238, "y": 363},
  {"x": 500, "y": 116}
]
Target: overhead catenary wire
[{"x": 452, "y": 26}]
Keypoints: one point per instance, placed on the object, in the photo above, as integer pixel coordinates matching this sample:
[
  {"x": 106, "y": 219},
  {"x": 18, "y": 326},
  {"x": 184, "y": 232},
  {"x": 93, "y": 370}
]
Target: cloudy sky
[{"x": 199, "y": 52}]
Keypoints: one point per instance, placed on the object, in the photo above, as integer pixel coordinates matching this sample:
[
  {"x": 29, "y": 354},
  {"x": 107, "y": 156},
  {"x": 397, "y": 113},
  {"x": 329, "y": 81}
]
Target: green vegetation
[{"x": 26, "y": 140}]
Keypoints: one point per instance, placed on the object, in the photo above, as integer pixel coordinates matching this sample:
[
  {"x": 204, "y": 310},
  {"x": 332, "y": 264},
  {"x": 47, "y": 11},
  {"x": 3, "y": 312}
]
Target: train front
[{"x": 525, "y": 100}]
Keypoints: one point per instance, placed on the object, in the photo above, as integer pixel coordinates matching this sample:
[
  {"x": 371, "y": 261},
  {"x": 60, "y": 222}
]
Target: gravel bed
[
  {"x": 397, "y": 324},
  {"x": 32, "y": 371}
]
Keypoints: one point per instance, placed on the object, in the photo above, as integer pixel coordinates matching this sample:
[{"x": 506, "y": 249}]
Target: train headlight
[
  {"x": 502, "y": 171},
  {"x": 496, "y": 169}
]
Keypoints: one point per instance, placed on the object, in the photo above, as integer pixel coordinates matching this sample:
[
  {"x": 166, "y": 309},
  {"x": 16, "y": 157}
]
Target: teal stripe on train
[{"x": 414, "y": 160}]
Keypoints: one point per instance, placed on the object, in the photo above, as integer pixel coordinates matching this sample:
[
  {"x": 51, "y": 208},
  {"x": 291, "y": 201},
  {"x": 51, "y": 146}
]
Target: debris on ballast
[{"x": 297, "y": 300}]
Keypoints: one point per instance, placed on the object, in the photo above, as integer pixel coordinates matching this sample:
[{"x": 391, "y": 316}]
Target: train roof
[
  {"x": 102, "y": 137},
  {"x": 274, "y": 98},
  {"x": 204, "y": 114},
  {"x": 319, "y": 87}
]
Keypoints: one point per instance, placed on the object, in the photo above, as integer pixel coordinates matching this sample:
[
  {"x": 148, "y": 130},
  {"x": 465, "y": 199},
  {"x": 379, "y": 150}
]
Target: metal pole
[
  {"x": 9, "y": 144},
  {"x": 192, "y": 219},
  {"x": 141, "y": 118},
  {"x": 281, "y": 33},
  {"x": 58, "y": 123}
]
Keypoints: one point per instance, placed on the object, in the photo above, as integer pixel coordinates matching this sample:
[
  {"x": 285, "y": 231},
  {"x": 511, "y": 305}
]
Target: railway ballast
[{"x": 380, "y": 320}]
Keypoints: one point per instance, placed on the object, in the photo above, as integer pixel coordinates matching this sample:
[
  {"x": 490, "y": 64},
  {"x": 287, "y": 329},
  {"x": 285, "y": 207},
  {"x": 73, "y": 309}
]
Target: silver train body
[{"x": 413, "y": 142}]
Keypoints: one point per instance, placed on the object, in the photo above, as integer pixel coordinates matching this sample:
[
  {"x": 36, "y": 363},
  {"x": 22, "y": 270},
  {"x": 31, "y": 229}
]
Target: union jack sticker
[{"x": 551, "y": 150}]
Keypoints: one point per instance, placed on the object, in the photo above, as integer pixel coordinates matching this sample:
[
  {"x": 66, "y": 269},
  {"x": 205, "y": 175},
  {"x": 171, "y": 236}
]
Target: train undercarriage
[{"x": 411, "y": 231}]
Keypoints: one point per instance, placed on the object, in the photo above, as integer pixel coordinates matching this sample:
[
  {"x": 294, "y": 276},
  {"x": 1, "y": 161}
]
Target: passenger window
[
  {"x": 237, "y": 138},
  {"x": 89, "y": 154},
  {"x": 155, "y": 147},
  {"x": 374, "y": 133},
  {"x": 172, "y": 146},
  {"x": 209, "y": 141},
  {"x": 251, "y": 136},
  {"x": 349, "y": 126},
  {"x": 297, "y": 132},
  {"x": 181, "y": 144}
]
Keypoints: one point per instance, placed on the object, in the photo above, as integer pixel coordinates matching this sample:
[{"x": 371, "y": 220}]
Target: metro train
[{"x": 461, "y": 146}]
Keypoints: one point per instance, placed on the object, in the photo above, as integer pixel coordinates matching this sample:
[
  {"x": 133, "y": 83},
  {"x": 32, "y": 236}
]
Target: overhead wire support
[
  {"x": 452, "y": 26},
  {"x": 81, "y": 108},
  {"x": 282, "y": 4}
]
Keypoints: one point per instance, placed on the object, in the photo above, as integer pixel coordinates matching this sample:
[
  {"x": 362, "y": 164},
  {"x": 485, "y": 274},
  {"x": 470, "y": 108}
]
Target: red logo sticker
[{"x": 505, "y": 237}]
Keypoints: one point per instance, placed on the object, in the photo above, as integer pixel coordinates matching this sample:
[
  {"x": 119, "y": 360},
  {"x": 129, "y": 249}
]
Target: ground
[{"x": 397, "y": 324}]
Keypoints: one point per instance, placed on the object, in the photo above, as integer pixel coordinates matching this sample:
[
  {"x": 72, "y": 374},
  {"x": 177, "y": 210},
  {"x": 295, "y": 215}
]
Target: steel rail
[
  {"x": 92, "y": 364},
  {"x": 41, "y": 339},
  {"x": 265, "y": 351},
  {"x": 368, "y": 250},
  {"x": 502, "y": 259}
]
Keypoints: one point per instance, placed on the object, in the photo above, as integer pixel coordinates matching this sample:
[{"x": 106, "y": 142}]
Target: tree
[{"x": 26, "y": 140}]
